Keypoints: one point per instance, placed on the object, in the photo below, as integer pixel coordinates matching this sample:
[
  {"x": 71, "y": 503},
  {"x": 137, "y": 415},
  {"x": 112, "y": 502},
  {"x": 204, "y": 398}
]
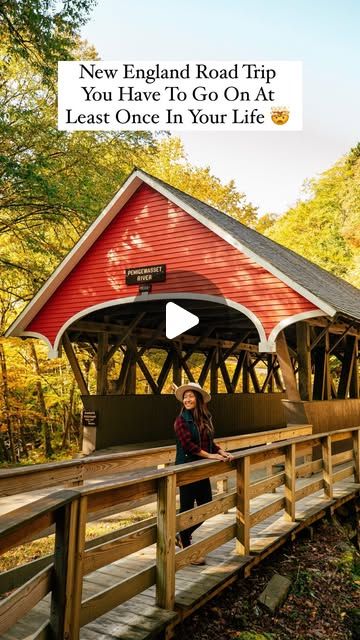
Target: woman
[{"x": 194, "y": 440}]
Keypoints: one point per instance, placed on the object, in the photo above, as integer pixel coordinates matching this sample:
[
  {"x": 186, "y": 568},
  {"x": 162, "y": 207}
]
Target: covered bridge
[{"x": 277, "y": 340}]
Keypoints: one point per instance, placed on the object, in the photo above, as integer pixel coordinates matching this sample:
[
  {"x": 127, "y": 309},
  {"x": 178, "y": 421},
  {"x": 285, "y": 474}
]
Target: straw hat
[{"x": 191, "y": 386}]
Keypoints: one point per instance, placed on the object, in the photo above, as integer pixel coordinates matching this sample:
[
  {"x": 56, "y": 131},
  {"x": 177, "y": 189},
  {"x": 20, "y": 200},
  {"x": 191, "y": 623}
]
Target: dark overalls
[{"x": 199, "y": 491}]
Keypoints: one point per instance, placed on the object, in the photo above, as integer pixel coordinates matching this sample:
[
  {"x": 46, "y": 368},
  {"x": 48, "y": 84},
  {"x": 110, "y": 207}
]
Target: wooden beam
[
  {"x": 286, "y": 368},
  {"x": 142, "y": 365},
  {"x": 165, "y": 548},
  {"x": 334, "y": 327},
  {"x": 290, "y": 479},
  {"x": 165, "y": 370},
  {"x": 130, "y": 385},
  {"x": 327, "y": 465},
  {"x": 127, "y": 331},
  {"x": 120, "y": 383},
  {"x": 101, "y": 366},
  {"x": 356, "y": 454},
  {"x": 327, "y": 372},
  {"x": 319, "y": 373},
  {"x": 347, "y": 367},
  {"x": 340, "y": 339},
  {"x": 253, "y": 375},
  {"x": 319, "y": 337},
  {"x": 143, "y": 334},
  {"x": 156, "y": 334},
  {"x": 176, "y": 368},
  {"x": 206, "y": 368},
  {"x": 304, "y": 360},
  {"x": 183, "y": 363},
  {"x": 79, "y": 553},
  {"x": 243, "y": 506},
  {"x": 73, "y": 361},
  {"x": 214, "y": 384},
  {"x": 64, "y": 568},
  {"x": 237, "y": 372},
  {"x": 225, "y": 373},
  {"x": 354, "y": 382}
]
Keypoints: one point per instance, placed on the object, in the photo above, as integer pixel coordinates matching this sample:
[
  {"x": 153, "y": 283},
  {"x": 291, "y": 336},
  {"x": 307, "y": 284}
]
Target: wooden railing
[
  {"x": 69, "y": 511},
  {"x": 76, "y": 472}
]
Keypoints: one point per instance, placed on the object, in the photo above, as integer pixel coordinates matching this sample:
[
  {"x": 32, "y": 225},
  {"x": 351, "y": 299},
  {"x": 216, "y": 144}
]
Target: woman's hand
[
  {"x": 225, "y": 455},
  {"x": 215, "y": 456}
]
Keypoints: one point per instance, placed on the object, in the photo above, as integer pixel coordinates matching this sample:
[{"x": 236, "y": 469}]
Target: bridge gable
[{"x": 151, "y": 229}]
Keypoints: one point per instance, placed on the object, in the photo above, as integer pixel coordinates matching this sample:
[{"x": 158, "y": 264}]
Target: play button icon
[{"x": 178, "y": 320}]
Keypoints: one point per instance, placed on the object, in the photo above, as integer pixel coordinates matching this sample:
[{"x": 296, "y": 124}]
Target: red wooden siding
[{"x": 152, "y": 230}]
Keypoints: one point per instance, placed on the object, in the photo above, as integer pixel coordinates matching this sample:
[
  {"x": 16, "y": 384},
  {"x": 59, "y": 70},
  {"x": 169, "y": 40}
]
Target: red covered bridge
[{"x": 274, "y": 328}]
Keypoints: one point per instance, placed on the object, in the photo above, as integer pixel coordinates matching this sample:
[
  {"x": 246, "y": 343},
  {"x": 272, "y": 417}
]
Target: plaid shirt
[{"x": 184, "y": 436}]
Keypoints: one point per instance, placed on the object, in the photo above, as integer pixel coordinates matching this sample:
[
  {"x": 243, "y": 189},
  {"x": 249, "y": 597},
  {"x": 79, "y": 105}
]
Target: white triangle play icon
[{"x": 178, "y": 320}]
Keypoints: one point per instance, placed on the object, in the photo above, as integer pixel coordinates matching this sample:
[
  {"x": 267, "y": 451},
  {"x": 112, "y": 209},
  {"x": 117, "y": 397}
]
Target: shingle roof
[{"x": 332, "y": 290}]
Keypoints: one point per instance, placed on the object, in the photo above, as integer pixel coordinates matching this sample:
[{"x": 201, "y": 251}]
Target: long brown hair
[{"x": 202, "y": 415}]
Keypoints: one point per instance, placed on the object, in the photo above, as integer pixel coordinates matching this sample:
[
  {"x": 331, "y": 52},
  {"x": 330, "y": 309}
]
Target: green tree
[
  {"x": 324, "y": 226},
  {"x": 170, "y": 163},
  {"x": 42, "y": 31}
]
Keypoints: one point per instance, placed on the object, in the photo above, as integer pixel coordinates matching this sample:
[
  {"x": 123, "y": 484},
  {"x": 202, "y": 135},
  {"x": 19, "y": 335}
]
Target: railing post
[
  {"x": 327, "y": 465},
  {"x": 68, "y": 570},
  {"x": 165, "y": 549},
  {"x": 79, "y": 550},
  {"x": 61, "y": 599},
  {"x": 356, "y": 454},
  {"x": 290, "y": 479},
  {"x": 243, "y": 506}
]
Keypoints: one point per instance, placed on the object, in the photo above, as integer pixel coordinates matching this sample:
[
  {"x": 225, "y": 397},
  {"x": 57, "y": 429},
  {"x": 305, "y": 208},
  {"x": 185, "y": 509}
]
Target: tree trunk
[
  {"x": 66, "y": 434},
  {"x": 46, "y": 429},
  {"x": 5, "y": 389}
]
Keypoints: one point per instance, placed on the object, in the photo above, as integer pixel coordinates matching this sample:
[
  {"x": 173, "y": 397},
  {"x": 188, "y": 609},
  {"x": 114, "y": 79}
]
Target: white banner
[{"x": 180, "y": 96}]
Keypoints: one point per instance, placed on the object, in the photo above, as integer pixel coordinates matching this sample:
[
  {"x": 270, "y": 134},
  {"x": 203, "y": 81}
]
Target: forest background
[{"x": 53, "y": 185}]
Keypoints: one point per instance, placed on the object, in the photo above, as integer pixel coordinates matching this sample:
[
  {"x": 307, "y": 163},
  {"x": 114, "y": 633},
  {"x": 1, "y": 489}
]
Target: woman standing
[{"x": 195, "y": 440}]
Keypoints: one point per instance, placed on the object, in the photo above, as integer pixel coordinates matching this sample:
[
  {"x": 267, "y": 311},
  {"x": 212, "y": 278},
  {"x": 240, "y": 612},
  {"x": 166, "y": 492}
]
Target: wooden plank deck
[{"x": 140, "y": 619}]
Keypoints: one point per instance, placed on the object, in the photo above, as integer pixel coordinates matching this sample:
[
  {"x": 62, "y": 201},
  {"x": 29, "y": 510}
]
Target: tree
[
  {"x": 42, "y": 31},
  {"x": 325, "y": 227},
  {"x": 170, "y": 163}
]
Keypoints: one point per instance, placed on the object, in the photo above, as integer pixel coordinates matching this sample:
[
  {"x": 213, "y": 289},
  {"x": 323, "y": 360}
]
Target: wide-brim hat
[{"x": 192, "y": 386}]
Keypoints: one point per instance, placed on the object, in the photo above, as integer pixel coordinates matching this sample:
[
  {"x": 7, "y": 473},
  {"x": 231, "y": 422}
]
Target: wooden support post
[
  {"x": 64, "y": 571},
  {"x": 225, "y": 373},
  {"x": 243, "y": 506},
  {"x": 165, "y": 549},
  {"x": 164, "y": 371},
  {"x": 327, "y": 465},
  {"x": 214, "y": 385},
  {"x": 120, "y": 383},
  {"x": 245, "y": 374},
  {"x": 327, "y": 373},
  {"x": 253, "y": 375},
  {"x": 287, "y": 370},
  {"x": 304, "y": 359},
  {"x": 239, "y": 365},
  {"x": 320, "y": 367},
  {"x": 205, "y": 369},
  {"x": 290, "y": 479},
  {"x": 347, "y": 368},
  {"x": 78, "y": 374},
  {"x": 176, "y": 369},
  {"x": 79, "y": 550},
  {"x": 101, "y": 366},
  {"x": 270, "y": 372},
  {"x": 130, "y": 386},
  {"x": 354, "y": 381},
  {"x": 356, "y": 454},
  {"x": 222, "y": 485}
]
